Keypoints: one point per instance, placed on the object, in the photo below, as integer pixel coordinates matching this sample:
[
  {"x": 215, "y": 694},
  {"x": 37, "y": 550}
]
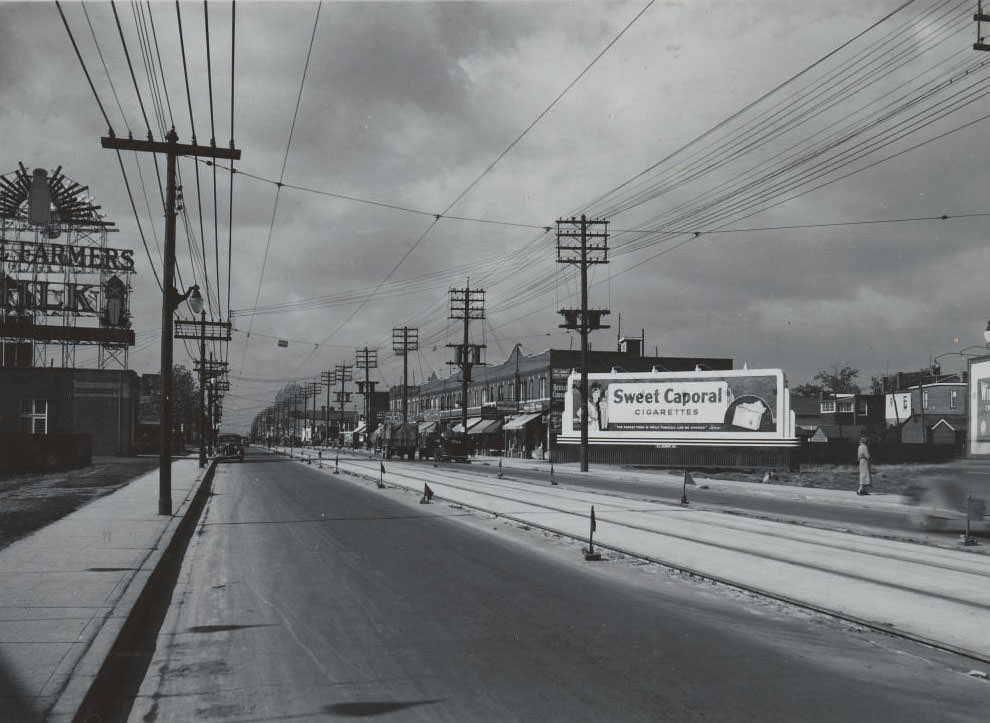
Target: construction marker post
[
  {"x": 552, "y": 480},
  {"x": 688, "y": 480},
  {"x": 590, "y": 553},
  {"x": 381, "y": 479},
  {"x": 336, "y": 464},
  {"x": 500, "y": 468}
]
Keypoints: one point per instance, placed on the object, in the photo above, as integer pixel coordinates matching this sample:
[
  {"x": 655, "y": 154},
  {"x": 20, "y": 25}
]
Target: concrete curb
[{"x": 95, "y": 677}]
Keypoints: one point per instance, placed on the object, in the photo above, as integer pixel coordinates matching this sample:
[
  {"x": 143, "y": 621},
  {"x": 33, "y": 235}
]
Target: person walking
[{"x": 865, "y": 468}]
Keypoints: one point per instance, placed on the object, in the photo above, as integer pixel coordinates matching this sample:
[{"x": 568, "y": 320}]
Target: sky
[{"x": 774, "y": 174}]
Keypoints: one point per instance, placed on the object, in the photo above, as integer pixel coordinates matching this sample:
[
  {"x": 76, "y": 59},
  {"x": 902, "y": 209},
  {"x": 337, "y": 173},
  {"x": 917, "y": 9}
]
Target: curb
[{"x": 106, "y": 678}]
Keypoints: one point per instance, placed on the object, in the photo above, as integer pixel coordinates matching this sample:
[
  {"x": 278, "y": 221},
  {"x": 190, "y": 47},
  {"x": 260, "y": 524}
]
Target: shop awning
[
  {"x": 485, "y": 426},
  {"x": 459, "y": 428},
  {"x": 520, "y": 421},
  {"x": 426, "y": 427}
]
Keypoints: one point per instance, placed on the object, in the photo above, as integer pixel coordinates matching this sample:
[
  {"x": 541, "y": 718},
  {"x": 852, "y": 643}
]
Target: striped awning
[{"x": 520, "y": 421}]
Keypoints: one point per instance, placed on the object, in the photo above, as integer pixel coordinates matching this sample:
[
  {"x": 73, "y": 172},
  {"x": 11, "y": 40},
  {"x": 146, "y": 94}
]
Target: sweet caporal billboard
[{"x": 658, "y": 407}]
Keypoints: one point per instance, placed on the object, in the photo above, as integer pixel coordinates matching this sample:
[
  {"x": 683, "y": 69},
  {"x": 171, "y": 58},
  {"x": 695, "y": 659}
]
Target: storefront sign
[{"x": 91, "y": 258}]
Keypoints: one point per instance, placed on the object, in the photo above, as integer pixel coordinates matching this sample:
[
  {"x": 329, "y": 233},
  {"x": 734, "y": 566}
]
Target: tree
[
  {"x": 185, "y": 401},
  {"x": 830, "y": 381}
]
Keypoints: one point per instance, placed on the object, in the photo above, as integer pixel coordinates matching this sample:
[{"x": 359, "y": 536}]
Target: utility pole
[
  {"x": 404, "y": 340},
  {"x": 342, "y": 374},
  {"x": 204, "y": 331},
  {"x": 466, "y": 304},
  {"x": 583, "y": 242},
  {"x": 366, "y": 359},
  {"x": 328, "y": 381},
  {"x": 170, "y": 296},
  {"x": 980, "y": 18}
]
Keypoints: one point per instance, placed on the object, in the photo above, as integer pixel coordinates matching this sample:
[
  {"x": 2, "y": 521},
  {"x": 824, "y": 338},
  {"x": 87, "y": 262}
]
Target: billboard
[
  {"x": 740, "y": 407},
  {"x": 979, "y": 407}
]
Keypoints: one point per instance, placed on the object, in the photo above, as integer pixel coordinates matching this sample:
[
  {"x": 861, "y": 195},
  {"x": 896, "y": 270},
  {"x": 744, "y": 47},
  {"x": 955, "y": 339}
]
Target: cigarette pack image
[{"x": 748, "y": 415}]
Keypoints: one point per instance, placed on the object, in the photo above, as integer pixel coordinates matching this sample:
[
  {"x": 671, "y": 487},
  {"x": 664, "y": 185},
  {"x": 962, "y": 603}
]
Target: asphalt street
[{"x": 305, "y": 595}]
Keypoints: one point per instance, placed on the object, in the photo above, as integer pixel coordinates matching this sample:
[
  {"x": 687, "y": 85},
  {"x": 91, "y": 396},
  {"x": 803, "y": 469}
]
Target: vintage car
[{"x": 230, "y": 447}]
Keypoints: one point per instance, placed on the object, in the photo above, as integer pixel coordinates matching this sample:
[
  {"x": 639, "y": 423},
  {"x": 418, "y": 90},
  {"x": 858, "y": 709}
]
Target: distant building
[
  {"x": 51, "y": 401},
  {"x": 515, "y": 407}
]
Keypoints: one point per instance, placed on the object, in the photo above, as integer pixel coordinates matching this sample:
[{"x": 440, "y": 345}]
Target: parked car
[{"x": 231, "y": 447}]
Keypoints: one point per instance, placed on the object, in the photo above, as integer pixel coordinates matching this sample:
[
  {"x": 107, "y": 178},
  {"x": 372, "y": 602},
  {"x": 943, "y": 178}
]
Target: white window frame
[{"x": 34, "y": 416}]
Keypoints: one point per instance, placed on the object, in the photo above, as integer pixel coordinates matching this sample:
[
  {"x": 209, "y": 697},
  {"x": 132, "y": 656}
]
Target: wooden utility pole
[
  {"x": 583, "y": 242},
  {"x": 466, "y": 304},
  {"x": 366, "y": 359},
  {"x": 171, "y": 298},
  {"x": 342, "y": 373},
  {"x": 404, "y": 340}
]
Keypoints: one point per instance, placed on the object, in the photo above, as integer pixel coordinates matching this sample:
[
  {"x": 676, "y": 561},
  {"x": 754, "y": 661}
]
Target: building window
[
  {"x": 862, "y": 407},
  {"x": 924, "y": 401},
  {"x": 34, "y": 416},
  {"x": 828, "y": 406},
  {"x": 543, "y": 387},
  {"x": 953, "y": 398},
  {"x": 845, "y": 406}
]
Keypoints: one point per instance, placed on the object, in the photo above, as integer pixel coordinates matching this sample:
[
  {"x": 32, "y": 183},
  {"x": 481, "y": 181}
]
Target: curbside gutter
[{"x": 104, "y": 682}]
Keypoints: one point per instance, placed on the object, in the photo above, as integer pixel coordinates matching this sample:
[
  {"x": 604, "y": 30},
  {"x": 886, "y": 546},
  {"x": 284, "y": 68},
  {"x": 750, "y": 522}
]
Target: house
[{"x": 932, "y": 412}]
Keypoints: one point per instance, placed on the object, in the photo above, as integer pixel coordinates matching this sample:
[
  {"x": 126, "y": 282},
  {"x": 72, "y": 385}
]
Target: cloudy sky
[{"x": 774, "y": 173}]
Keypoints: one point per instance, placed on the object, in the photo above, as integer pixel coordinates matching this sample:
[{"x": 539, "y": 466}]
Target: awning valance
[{"x": 520, "y": 421}]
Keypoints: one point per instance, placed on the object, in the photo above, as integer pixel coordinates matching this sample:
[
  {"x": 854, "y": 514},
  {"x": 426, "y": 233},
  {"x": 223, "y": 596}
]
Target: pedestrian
[{"x": 865, "y": 469}]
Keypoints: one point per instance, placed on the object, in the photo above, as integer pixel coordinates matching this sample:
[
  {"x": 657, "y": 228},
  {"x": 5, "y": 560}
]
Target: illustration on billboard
[
  {"x": 983, "y": 411},
  {"x": 703, "y": 402}
]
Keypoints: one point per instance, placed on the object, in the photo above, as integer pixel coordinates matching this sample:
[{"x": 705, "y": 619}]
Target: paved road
[{"x": 306, "y": 596}]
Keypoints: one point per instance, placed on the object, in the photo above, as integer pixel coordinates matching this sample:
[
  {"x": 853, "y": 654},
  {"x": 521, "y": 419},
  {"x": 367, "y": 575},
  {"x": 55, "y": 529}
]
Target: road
[{"x": 309, "y": 596}]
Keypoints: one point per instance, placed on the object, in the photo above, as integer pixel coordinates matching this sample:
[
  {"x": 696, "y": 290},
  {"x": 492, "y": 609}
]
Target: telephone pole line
[
  {"x": 171, "y": 298},
  {"x": 466, "y": 304},
  {"x": 404, "y": 340},
  {"x": 366, "y": 359},
  {"x": 583, "y": 242},
  {"x": 342, "y": 373}
]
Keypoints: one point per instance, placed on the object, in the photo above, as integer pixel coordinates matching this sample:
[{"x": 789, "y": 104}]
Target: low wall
[{"x": 25, "y": 453}]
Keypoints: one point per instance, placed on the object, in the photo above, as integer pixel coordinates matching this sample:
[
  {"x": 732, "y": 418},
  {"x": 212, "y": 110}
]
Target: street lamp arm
[{"x": 174, "y": 298}]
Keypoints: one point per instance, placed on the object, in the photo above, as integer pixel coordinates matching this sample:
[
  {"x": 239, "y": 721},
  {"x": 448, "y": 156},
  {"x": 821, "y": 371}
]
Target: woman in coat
[{"x": 865, "y": 471}]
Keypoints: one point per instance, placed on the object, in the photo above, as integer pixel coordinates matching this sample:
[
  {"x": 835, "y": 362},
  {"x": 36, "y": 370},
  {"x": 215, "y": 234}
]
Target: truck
[
  {"x": 399, "y": 439},
  {"x": 443, "y": 446}
]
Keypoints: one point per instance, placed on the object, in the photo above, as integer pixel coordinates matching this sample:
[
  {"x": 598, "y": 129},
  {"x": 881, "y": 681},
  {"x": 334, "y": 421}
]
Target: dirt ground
[
  {"x": 29, "y": 502},
  {"x": 895, "y": 479}
]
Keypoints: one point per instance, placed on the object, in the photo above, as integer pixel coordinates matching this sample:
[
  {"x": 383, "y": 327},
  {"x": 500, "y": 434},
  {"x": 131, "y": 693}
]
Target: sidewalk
[{"x": 68, "y": 588}]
